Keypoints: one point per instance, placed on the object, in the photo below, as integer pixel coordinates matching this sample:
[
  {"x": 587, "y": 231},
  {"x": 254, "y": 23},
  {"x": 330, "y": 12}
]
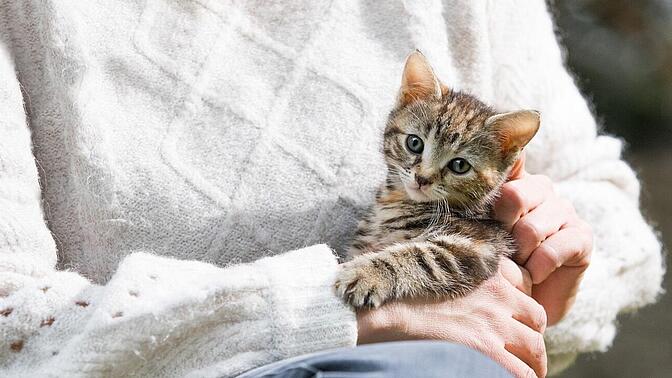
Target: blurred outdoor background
[{"x": 621, "y": 54}]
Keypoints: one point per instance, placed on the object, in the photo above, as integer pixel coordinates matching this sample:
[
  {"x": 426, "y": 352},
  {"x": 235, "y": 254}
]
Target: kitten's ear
[
  {"x": 515, "y": 129},
  {"x": 418, "y": 81}
]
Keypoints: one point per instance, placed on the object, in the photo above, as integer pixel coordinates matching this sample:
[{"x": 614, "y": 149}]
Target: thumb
[
  {"x": 516, "y": 275},
  {"x": 518, "y": 170}
]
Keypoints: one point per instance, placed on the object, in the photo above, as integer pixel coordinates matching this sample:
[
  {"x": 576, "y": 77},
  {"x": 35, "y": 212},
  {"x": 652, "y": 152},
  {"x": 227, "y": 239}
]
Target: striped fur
[
  {"x": 414, "y": 249},
  {"x": 440, "y": 242}
]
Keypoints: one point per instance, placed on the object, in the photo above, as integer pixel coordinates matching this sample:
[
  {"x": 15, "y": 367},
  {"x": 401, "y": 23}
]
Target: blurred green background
[{"x": 621, "y": 54}]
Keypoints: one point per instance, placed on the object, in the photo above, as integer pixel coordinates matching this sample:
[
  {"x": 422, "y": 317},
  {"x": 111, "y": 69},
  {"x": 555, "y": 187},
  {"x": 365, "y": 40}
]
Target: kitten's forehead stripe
[
  {"x": 452, "y": 137},
  {"x": 457, "y": 116},
  {"x": 438, "y": 124}
]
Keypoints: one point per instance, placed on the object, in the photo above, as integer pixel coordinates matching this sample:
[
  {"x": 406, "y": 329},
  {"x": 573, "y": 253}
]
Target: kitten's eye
[
  {"x": 459, "y": 166},
  {"x": 415, "y": 144}
]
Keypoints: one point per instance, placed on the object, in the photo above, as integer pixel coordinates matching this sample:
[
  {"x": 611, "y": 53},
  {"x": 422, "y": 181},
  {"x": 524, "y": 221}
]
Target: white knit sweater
[{"x": 174, "y": 139}]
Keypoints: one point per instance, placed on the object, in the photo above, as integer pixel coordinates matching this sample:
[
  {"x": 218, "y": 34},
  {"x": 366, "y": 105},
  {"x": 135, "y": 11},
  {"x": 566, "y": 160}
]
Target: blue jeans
[{"x": 424, "y": 359}]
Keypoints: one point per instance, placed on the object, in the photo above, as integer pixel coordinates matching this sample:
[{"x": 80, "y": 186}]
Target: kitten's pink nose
[{"x": 422, "y": 181}]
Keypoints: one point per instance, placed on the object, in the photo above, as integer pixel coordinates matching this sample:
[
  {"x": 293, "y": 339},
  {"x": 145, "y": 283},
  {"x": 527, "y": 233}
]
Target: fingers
[
  {"x": 528, "y": 346},
  {"x": 519, "y": 197},
  {"x": 516, "y": 275},
  {"x": 524, "y": 352},
  {"x": 512, "y": 363},
  {"x": 571, "y": 246},
  {"x": 518, "y": 169},
  {"x": 528, "y": 312},
  {"x": 545, "y": 220},
  {"x": 558, "y": 292}
]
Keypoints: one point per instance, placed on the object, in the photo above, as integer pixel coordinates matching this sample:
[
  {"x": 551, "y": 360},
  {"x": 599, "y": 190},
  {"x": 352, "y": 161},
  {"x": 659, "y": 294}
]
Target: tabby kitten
[{"x": 429, "y": 232}]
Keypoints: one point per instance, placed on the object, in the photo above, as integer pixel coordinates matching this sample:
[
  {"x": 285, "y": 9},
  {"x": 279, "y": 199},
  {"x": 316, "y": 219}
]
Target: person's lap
[{"x": 398, "y": 359}]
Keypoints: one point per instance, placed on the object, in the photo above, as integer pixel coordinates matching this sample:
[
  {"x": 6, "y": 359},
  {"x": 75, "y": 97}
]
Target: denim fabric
[{"x": 426, "y": 359}]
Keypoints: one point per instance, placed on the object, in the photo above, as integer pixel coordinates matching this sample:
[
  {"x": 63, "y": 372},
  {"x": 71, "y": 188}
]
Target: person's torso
[
  {"x": 215, "y": 131},
  {"x": 201, "y": 131}
]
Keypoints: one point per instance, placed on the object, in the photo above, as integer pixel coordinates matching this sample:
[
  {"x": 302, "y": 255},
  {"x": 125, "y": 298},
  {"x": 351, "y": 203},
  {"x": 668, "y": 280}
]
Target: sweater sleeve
[
  {"x": 627, "y": 267},
  {"x": 156, "y": 316}
]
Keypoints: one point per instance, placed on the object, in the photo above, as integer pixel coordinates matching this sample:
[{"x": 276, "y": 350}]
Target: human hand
[
  {"x": 554, "y": 244},
  {"x": 498, "y": 319}
]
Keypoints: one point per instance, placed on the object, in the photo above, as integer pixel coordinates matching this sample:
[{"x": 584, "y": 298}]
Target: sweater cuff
[{"x": 307, "y": 316}]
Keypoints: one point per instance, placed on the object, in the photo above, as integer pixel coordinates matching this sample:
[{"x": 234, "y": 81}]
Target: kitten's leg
[{"x": 445, "y": 265}]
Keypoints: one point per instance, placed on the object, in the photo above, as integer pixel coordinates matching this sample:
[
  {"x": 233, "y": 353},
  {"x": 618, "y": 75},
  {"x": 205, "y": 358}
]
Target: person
[{"x": 176, "y": 176}]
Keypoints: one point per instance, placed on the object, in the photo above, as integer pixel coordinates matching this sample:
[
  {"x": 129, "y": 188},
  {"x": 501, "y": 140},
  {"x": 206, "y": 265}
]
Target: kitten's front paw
[{"x": 360, "y": 285}]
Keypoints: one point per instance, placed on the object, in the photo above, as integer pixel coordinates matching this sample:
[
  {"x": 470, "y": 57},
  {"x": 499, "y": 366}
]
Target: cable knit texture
[{"x": 188, "y": 152}]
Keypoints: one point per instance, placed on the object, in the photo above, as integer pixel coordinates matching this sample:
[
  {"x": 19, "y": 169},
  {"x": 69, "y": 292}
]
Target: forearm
[{"x": 247, "y": 315}]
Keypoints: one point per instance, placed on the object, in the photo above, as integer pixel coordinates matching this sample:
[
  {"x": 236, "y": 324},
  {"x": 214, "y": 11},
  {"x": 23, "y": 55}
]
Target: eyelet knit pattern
[{"x": 176, "y": 176}]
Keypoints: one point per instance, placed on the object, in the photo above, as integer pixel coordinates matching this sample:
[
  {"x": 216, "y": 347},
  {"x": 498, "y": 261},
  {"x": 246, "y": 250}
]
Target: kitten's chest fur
[{"x": 392, "y": 219}]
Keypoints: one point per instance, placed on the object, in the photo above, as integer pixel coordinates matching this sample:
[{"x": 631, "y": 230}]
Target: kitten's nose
[{"x": 422, "y": 181}]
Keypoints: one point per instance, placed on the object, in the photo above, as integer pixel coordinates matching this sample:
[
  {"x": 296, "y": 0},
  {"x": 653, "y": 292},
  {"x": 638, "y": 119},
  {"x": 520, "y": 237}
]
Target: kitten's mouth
[{"x": 416, "y": 194}]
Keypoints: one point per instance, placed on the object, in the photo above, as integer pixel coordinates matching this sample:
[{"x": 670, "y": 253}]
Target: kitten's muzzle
[{"x": 422, "y": 181}]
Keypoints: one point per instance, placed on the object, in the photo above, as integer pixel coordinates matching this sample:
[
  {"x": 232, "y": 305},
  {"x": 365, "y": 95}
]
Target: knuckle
[
  {"x": 527, "y": 233},
  {"x": 584, "y": 260},
  {"x": 489, "y": 317},
  {"x": 527, "y": 280},
  {"x": 538, "y": 354},
  {"x": 584, "y": 234},
  {"x": 513, "y": 194},
  {"x": 586, "y": 253},
  {"x": 549, "y": 255},
  {"x": 541, "y": 319},
  {"x": 538, "y": 347},
  {"x": 497, "y": 291}
]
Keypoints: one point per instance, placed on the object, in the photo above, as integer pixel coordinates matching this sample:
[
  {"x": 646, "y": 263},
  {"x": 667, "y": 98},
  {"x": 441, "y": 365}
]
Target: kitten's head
[{"x": 445, "y": 145}]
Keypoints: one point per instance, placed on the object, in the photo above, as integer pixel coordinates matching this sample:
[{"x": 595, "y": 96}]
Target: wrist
[{"x": 381, "y": 324}]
